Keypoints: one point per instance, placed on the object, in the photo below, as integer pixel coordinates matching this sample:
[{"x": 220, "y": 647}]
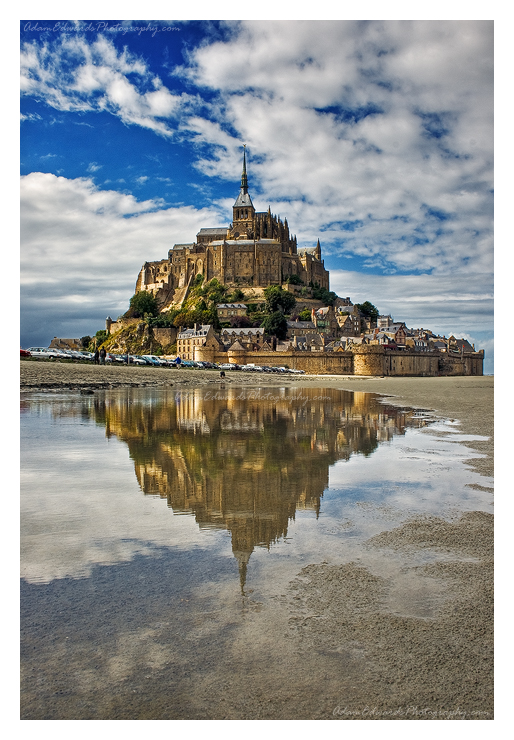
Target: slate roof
[
  {"x": 245, "y": 242},
  {"x": 243, "y": 199},
  {"x": 230, "y": 305},
  {"x": 242, "y": 332},
  {"x": 189, "y": 333},
  {"x": 301, "y": 325}
]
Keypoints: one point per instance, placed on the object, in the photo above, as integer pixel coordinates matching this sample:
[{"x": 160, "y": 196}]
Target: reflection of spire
[{"x": 242, "y": 560}]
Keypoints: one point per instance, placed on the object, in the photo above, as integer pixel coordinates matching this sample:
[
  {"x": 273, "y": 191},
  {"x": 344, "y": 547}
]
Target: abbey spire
[
  {"x": 243, "y": 210},
  {"x": 244, "y": 178},
  {"x": 243, "y": 200}
]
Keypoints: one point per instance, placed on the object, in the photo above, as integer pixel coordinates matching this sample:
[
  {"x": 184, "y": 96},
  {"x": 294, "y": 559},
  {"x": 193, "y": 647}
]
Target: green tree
[
  {"x": 163, "y": 320},
  {"x": 322, "y": 294},
  {"x": 100, "y": 337},
  {"x": 215, "y": 291},
  {"x": 85, "y": 341},
  {"x": 278, "y": 299},
  {"x": 236, "y": 296},
  {"x": 368, "y": 310},
  {"x": 294, "y": 280},
  {"x": 143, "y": 303},
  {"x": 305, "y": 314},
  {"x": 275, "y": 324}
]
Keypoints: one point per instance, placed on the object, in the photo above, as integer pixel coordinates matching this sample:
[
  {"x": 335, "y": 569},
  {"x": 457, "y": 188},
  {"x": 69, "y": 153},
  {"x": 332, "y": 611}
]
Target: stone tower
[{"x": 243, "y": 210}]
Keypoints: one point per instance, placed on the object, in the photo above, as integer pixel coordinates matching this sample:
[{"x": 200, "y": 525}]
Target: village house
[
  {"x": 381, "y": 337},
  {"x": 397, "y": 333},
  {"x": 324, "y": 319},
  {"x": 229, "y": 310},
  {"x": 384, "y": 321},
  {"x": 201, "y": 335},
  {"x": 300, "y": 328},
  {"x": 249, "y": 337},
  {"x": 417, "y": 344}
]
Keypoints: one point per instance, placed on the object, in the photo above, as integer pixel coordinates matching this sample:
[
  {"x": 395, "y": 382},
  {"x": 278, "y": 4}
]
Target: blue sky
[{"x": 375, "y": 136}]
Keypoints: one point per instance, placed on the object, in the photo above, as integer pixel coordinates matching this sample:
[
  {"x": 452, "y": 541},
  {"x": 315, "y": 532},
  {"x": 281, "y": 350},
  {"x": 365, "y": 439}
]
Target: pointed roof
[{"x": 243, "y": 199}]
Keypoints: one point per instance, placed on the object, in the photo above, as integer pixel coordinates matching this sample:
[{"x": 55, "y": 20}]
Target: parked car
[
  {"x": 24, "y": 353},
  {"x": 60, "y": 354},
  {"x": 154, "y": 360},
  {"x": 69, "y": 354},
  {"x": 41, "y": 352}
]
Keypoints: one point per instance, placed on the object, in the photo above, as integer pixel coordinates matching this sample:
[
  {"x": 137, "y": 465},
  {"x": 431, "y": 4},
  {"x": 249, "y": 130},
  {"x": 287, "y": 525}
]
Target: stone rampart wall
[
  {"x": 363, "y": 360},
  {"x": 122, "y": 324}
]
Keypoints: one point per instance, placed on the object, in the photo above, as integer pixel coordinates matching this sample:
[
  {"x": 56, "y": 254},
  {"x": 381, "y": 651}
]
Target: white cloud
[
  {"x": 82, "y": 249},
  {"x": 387, "y": 125},
  {"x": 30, "y": 117},
  {"x": 72, "y": 75}
]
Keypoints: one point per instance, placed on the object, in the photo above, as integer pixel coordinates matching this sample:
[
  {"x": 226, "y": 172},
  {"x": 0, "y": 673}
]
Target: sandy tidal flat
[{"x": 351, "y": 641}]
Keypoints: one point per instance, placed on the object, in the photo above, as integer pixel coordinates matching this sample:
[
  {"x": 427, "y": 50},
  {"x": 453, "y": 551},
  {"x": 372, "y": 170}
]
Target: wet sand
[{"x": 347, "y": 640}]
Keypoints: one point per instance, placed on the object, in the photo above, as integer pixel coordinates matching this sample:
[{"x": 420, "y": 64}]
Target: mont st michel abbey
[{"x": 256, "y": 250}]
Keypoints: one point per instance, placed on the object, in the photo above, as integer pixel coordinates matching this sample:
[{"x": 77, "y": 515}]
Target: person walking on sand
[
  {"x": 97, "y": 356},
  {"x": 103, "y": 354}
]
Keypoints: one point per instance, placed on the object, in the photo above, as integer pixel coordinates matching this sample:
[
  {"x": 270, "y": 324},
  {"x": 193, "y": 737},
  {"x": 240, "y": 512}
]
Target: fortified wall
[{"x": 360, "y": 360}]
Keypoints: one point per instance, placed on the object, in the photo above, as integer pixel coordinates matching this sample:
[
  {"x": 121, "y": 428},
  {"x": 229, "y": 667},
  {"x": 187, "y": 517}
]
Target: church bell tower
[{"x": 243, "y": 210}]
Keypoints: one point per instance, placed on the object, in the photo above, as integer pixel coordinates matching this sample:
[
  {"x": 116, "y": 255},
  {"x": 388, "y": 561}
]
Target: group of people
[{"x": 100, "y": 356}]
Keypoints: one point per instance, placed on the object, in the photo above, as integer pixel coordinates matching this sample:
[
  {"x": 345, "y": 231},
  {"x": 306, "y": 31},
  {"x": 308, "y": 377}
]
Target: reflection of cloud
[{"x": 90, "y": 511}]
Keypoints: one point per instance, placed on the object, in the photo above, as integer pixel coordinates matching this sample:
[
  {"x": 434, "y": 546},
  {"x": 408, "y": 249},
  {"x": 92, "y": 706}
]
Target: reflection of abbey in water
[{"x": 241, "y": 461}]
